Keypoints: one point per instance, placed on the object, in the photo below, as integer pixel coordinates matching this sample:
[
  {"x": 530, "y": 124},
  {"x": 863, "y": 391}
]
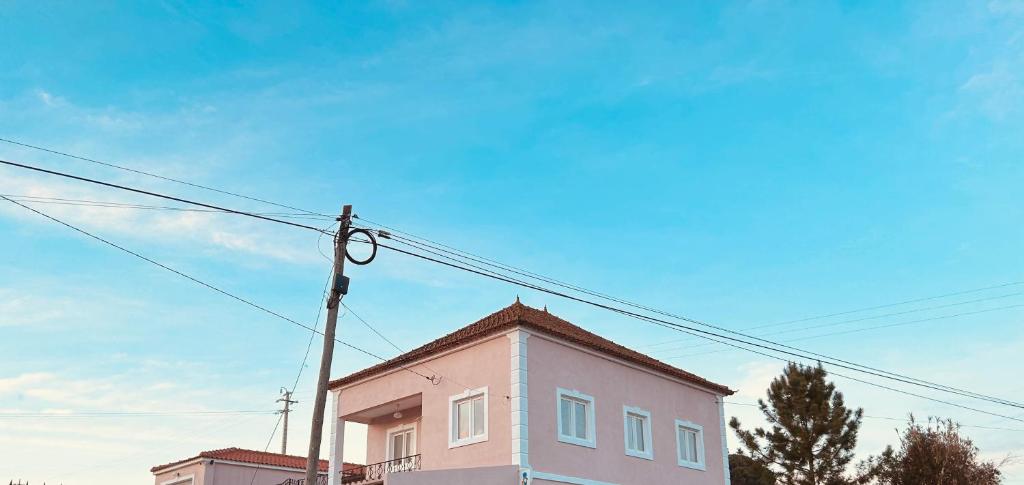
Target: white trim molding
[
  {"x": 700, "y": 464},
  {"x": 551, "y": 477},
  {"x": 591, "y": 440},
  {"x": 519, "y": 400},
  {"x": 648, "y": 445},
  {"x": 190, "y": 478},
  {"x": 725, "y": 444},
  {"x": 468, "y": 394}
]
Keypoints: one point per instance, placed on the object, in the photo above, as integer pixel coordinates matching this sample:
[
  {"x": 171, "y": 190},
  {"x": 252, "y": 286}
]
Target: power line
[
  {"x": 154, "y": 194},
  {"x": 874, "y": 317},
  {"x": 491, "y": 262},
  {"x": 858, "y": 330},
  {"x": 440, "y": 377},
  {"x": 119, "y": 205},
  {"x": 466, "y": 255},
  {"x": 684, "y": 328},
  {"x": 121, "y": 414},
  {"x": 206, "y": 432},
  {"x": 856, "y": 367},
  {"x": 698, "y": 333},
  {"x": 205, "y": 284},
  {"x": 888, "y": 305},
  {"x": 223, "y": 292},
  {"x": 703, "y": 333},
  {"x": 312, "y": 335},
  {"x": 161, "y": 177},
  {"x": 135, "y": 206},
  {"x": 887, "y": 418},
  {"x": 706, "y": 334},
  {"x": 880, "y": 386},
  {"x": 372, "y": 329},
  {"x": 433, "y": 379},
  {"x": 267, "y": 447},
  {"x": 287, "y": 398}
]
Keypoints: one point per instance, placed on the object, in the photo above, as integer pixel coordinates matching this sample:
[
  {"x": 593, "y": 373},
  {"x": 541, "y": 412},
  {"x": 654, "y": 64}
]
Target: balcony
[{"x": 375, "y": 473}]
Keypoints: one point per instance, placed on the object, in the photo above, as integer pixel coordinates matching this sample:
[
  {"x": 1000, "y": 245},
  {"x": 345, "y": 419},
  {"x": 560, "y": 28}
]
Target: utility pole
[
  {"x": 286, "y": 398},
  {"x": 338, "y": 288}
]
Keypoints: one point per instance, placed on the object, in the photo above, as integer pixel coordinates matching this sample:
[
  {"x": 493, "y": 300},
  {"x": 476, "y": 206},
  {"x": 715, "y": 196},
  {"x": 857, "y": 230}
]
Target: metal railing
[
  {"x": 320, "y": 480},
  {"x": 376, "y": 471}
]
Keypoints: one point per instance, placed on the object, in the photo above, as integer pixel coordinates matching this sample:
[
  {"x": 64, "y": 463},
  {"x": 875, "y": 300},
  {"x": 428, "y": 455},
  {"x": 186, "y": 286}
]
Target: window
[
  {"x": 468, "y": 422},
  {"x": 690, "y": 443},
  {"x": 576, "y": 418},
  {"x": 638, "y": 432},
  {"x": 401, "y": 442}
]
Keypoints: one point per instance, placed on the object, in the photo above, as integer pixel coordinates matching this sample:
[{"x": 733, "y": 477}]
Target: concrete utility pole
[
  {"x": 338, "y": 288},
  {"x": 286, "y": 398}
]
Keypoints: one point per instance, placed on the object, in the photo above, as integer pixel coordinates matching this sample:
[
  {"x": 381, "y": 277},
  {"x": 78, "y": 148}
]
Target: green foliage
[
  {"x": 744, "y": 470},
  {"x": 812, "y": 434},
  {"x": 932, "y": 454}
]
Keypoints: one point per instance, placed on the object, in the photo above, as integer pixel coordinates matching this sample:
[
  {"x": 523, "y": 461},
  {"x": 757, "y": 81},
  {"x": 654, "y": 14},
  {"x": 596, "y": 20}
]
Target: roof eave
[
  {"x": 512, "y": 317},
  {"x": 176, "y": 464}
]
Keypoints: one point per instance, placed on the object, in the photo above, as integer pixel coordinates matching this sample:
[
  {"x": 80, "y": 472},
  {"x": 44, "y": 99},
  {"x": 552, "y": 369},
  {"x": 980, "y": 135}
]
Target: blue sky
[{"x": 739, "y": 162}]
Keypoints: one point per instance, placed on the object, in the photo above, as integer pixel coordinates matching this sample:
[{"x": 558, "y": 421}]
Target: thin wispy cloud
[
  {"x": 999, "y": 92},
  {"x": 1003, "y": 7},
  {"x": 224, "y": 232}
]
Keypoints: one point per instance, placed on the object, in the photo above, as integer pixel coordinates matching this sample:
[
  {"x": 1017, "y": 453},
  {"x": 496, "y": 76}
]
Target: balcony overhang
[{"x": 406, "y": 405}]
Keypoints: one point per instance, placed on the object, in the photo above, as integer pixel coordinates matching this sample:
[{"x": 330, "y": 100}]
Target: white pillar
[
  {"x": 337, "y": 440},
  {"x": 725, "y": 444},
  {"x": 518, "y": 400}
]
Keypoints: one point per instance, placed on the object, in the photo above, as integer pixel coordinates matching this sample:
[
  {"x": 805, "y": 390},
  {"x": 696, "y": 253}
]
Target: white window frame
[
  {"x": 389, "y": 453},
  {"x": 453, "y": 441},
  {"x": 700, "y": 463},
  {"x": 591, "y": 441},
  {"x": 648, "y": 453}
]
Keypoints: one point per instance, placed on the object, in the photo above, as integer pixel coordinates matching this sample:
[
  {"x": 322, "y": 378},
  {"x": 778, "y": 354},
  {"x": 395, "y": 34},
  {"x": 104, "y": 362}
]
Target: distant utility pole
[
  {"x": 339, "y": 288},
  {"x": 286, "y": 398}
]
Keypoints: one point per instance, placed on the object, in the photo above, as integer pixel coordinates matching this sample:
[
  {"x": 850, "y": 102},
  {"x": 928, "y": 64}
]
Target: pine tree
[
  {"x": 745, "y": 471},
  {"x": 812, "y": 433}
]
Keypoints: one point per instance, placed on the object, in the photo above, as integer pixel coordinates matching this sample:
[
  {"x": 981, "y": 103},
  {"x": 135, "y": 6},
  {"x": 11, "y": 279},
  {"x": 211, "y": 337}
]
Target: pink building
[
  {"x": 235, "y": 466},
  {"x": 523, "y": 396}
]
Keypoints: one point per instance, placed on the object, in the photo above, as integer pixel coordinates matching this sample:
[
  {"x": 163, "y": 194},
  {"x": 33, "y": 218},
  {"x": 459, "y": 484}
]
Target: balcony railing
[
  {"x": 320, "y": 480},
  {"x": 376, "y": 471}
]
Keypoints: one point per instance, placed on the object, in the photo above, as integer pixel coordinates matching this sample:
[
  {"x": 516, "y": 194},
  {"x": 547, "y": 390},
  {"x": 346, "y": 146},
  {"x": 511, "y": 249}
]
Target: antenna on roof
[{"x": 517, "y": 298}]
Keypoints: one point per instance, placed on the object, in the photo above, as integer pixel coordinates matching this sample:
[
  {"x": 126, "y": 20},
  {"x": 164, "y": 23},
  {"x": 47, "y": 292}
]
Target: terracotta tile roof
[
  {"x": 535, "y": 320},
  {"x": 252, "y": 456}
]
